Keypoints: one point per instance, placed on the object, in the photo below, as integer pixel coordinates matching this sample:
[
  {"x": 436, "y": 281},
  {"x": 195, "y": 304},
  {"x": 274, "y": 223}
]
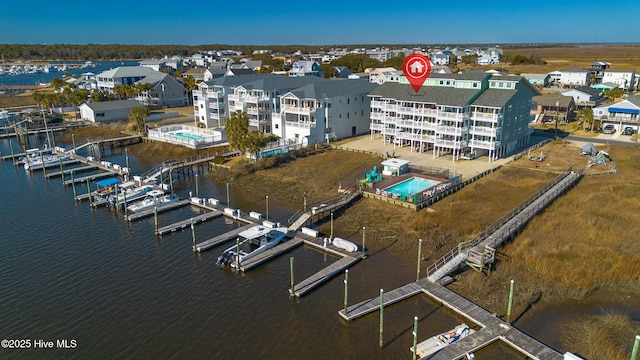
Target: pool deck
[{"x": 388, "y": 181}]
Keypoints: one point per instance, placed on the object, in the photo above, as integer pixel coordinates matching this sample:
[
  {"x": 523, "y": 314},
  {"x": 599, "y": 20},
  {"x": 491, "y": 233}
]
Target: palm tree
[
  {"x": 237, "y": 128},
  {"x": 585, "y": 115}
]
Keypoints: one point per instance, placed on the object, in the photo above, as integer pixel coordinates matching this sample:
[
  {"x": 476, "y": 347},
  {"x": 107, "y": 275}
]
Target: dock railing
[{"x": 464, "y": 246}]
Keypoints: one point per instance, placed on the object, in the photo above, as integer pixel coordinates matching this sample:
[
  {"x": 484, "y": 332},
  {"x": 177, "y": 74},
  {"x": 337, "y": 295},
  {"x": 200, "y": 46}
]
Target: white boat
[
  {"x": 43, "y": 160},
  {"x": 129, "y": 192},
  {"x": 439, "y": 342},
  {"x": 252, "y": 242},
  {"x": 344, "y": 244},
  {"x": 154, "y": 198}
]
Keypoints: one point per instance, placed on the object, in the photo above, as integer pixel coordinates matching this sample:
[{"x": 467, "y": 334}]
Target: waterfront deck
[
  {"x": 186, "y": 223},
  {"x": 323, "y": 275},
  {"x": 91, "y": 177},
  {"x": 78, "y": 169},
  {"x": 161, "y": 208}
]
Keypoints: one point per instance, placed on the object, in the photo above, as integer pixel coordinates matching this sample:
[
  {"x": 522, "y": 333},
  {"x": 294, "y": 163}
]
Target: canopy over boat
[{"x": 108, "y": 182}]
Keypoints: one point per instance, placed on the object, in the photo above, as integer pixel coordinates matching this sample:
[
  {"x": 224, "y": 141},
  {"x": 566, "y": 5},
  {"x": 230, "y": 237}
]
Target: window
[{"x": 277, "y": 126}]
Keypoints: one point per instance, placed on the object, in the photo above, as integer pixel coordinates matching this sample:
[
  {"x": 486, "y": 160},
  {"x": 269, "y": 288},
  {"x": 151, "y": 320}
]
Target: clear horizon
[{"x": 333, "y": 23}]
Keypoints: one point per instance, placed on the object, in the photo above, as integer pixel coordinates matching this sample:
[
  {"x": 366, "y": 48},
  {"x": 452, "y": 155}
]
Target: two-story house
[
  {"x": 621, "y": 114},
  {"x": 624, "y": 78},
  {"x": 458, "y": 114},
  {"x": 306, "y": 68},
  {"x": 166, "y": 90},
  {"x": 584, "y": 96}
]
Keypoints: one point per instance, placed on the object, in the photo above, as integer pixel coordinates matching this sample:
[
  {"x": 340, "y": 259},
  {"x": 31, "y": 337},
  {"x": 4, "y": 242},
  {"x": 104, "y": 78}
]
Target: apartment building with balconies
[
  {"x": 323, "y": 111},
  {"x": 469, "y": 114}
]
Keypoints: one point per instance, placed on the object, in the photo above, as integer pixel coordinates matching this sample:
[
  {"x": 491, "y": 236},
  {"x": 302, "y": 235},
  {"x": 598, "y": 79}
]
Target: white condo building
[{"x": 460, "y": 114}]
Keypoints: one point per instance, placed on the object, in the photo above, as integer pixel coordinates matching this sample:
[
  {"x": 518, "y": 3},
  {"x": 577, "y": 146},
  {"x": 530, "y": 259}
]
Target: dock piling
[
  {"x": 331, "y": 237},
  {"x": 291, "y": 270},
  {"x": 415, "y": 337},
  {"x": 126, "y": 157},
  {"x": 73, "y": 185},
  {"x": 155, "y": 218},
  {"x": 73, "y": 141},
  {"x": 13, "y": 155},
  {"x": 381, "y": 316},
  {"x": 419, "y": 256},
  {"x": 44, "y": 168},
  {"x": 197, "y": 192},
  {"x": 510, "y": 303},
  {"x": 238, "y": 253},
  {"x": 124, "y": 198},
  {"x": 636, "y": 344},
  {"x": 89, "y": 192},
  {"x": 228, "y": 202},
  {"x": 193, "y": 233},
  {"x": 267, "y": 212},
  {"x": 363, "y": 248},
  {"x": 61, "y": 170},
  {"x": 346, "y": 285}
]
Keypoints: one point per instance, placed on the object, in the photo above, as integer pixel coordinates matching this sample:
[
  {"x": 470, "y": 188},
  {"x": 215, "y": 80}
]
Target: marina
[
  {"x": 186, "y": 223},
  {"x": 158, "y": 209}
]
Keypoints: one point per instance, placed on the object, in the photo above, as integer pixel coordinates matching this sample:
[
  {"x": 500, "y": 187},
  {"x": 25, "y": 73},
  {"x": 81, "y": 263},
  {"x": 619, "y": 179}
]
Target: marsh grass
[{"x": 603, "y": 337}]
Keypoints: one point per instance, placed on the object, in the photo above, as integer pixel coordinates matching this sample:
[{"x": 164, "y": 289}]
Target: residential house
[
  {"x": 166, "y": 91},
  {"x": 584, "y": 96},
  {"x": 574, "y": 77},
  {"x": 157, "y": 65},
  {"x": 107, "y": 111},
  {"x": 542, "y": 80},
  {"x": 239, "y": 71},
  {"x": 597, "y": 70},
  {"x": 457, "y": 114},
  {"x": 382, "y": 75},
  {"x": 625, "y": 78},
  {"x": 306, "y": 67},
  {"x": 440, "y": 59},
  {"x": 621, "y": 114},
  {"x": 323, "y": 111},
  {"x": 342, "y": 72},
  {"x": 254, "y": 65},
  {"x": 551, "y": 107},
  {"x": 605, "y": 86}
]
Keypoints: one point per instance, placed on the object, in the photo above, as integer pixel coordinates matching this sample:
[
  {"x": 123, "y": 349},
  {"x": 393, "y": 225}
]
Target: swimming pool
[
  {"x": 189, "y": 136},
  {"x": 411, "y": 186}
]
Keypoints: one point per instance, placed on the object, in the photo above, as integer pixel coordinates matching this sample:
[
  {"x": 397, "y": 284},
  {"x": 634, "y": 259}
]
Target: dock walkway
[
  {"x": 493, "y": 328},
  {"x": 271, "y": 253},
  {"x": 222, "y": 238},
  {"x": 323, "y": 275},
  {"x": 91, "y": 177},
  {"x": 186, "y": 223},
  {"x": 78, "y": 169},
  {"x": 52, "y": 165}
]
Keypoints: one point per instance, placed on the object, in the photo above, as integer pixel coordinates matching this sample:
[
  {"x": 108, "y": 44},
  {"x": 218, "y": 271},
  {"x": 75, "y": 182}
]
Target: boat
[
  {"x": 439, "y": 342},
  {"x": 252, "y": 242},
  {"x": 44, "y": 160},
  {"x": 106, "y": 187},
  {"x": 130, "y": 193},
  {"x": 153, "y": 199},
  {"x": 344, "y": 244}
]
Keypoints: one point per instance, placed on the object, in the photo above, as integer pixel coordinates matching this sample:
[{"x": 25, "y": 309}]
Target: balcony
[
  {"x": 415, "y": 137},
  {"x": 485, "y": 131},
  {"x": 300, "y": 124},
  {"x": 485, "y": 116},
  {"x": 298, "y": 110},
  {"x": 377, "y": 116},
  {"x": 376, "y": 127},
  {"x": 489, "y": 145},
  {"x": 451, "y": 130},
  {"x": 450, "y": 115},
  {"x": 217, "y": 105},
  {"x": 449, "y": 144}
]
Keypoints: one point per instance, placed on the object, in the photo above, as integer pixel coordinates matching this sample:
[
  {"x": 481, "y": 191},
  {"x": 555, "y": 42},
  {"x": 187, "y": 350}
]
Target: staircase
[{"x": 300, "y": 221}]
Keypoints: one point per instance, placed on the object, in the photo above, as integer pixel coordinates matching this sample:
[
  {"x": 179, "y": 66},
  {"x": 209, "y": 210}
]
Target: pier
[
  {"x": 186, "y": 223},
  {"x": 78, "y": 169},
  {"x": 219, "y": 239},
  {"x": 52, "y": 165},
  {"x": 493, "y": 328},
  {"x": 269, "y": 254},
  {"x": 91, "y": 177}
]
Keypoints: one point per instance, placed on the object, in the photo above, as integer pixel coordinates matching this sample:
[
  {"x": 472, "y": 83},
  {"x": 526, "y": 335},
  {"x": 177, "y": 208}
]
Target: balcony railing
[
  {"x": 452, "y": 130},
  {"x": 300, "y": 124},
  {"x": 217, "y": 105},
  {"x": 415, "y": 137},
  {"x": 298, "y": 110},
  {"x": 485, "y": 131},
  {"x": 450, "y": 115},
  {"x": 377, "y": 127},
  {"x": 490, "y": 145},
  {"x": 485, "y": 116},
  {"x": 449, "y": 144},
  {"x": 377, "y": 115}
]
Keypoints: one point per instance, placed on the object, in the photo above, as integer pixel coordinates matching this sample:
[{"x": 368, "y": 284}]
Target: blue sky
[{"x": 319, "y": 22}]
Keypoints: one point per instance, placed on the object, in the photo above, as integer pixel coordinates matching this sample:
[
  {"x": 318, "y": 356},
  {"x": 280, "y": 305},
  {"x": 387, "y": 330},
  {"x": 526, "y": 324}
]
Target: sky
[{"x": 326, "y": 22}]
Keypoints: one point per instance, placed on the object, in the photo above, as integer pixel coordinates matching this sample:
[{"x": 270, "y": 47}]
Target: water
[
  {"x": 70, "y": 272},
  {"x": 412, "y": 186},
  {"x": 40, "y": 78}
]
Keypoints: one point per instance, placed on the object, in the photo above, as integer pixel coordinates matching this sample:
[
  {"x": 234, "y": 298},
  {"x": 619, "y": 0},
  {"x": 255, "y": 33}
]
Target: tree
[
  {"x": 254, "y": 141},
  {"x": 329, "y": 70},
  {"x": 470, "y": 59},
  {"x": 357, "y": 63},
  {"x": 136, "y": 118},
  {"x": 190, "y": 84},
  {"x": 585, "y": 116},
  {"x": 57, "y": 83},
  {"x": 237, "y": 128},
  {"x": 612, "y": 95},
  {"x": 395, "y": 62}
]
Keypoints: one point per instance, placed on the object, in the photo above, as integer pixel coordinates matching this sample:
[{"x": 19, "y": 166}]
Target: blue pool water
[
  {"x": 411, "y": 186},
  {"x": 188, "y": 136}
]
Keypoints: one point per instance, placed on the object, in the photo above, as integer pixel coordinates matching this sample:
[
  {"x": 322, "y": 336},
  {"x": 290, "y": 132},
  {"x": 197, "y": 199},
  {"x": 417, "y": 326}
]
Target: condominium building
[{"x": 465, "y": 115}]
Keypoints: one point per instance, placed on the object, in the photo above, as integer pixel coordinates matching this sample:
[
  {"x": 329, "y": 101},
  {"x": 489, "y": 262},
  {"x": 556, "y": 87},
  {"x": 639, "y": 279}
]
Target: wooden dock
[
  {"x": 162, "y": 208},
  {"x": 269, "y": 254},
  {"x": 493, "y": 328},
  {"x": 53, "y": 165},
  {"x": 323, "y": 275},
  {"x": 91, "y": 177},
  {"x": 186, "y": 223},
  {"x": 69, "y": 171},
  {"x": 217, "y": 240}
]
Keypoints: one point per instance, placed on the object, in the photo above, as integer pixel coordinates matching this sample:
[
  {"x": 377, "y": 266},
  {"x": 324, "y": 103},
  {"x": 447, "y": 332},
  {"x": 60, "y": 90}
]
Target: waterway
[
  {"x": 42, "y": 77},
  {"x": 70, "y": 272}
]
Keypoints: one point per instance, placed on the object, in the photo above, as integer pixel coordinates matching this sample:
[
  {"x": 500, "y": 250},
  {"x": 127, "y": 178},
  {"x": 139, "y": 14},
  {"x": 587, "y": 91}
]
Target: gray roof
[
  {"x": 466, "y": 75},
  {"x": 264, "y": 81},
  {"x": 334, "y": 87},
  {"x": 549, "y": 100},
  {"x": 588, "y": 90},
  {"x": 127, "y": 71},
  {"x": 427, "y": 94},
  {"x": 241, "y": 71},
  {"x": 112, "y": 105},
  {"x": 494, "y": 97}
]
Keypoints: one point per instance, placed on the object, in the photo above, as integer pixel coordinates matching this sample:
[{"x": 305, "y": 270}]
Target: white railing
[
  {"x": 450, "y": 144},
  {"x": 298, "y": 110},
  {"x": 485, "y": 131},
  {"x": 490, "y": 145},
  {"x": 300, "y": 124},
  {"x": 376, "y": 127},
  {"x": 451, "y": 130},
  {"x": 485, "y": 116},
  {"x": 377, "y": 115},
  {"x": 449, "y": 115}
]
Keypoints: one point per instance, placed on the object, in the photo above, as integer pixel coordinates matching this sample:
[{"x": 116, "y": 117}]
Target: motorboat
[
  {"x": 153, "y": 199},
  {"x": 130, "y": 193},
  {"x": 439, "y": 342},
  {"x": 106, "y": 187},
  {"x": 252, "y": 242}
]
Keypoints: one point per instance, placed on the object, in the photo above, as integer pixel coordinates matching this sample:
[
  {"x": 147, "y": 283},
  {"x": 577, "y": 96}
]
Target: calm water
[
  {"x": 76, "y": 273},
  {"x": 35, "y": 79}
]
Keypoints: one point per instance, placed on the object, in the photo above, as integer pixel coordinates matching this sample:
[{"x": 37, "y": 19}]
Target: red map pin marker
[{"x": 416, "y": 68}]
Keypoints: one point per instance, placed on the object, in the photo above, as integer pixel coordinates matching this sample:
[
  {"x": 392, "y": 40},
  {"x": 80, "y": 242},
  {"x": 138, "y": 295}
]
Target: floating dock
[
  {"x": 222, "y": 238},
  {"x": 186, "y": 223},
  {"x": 162, "y": 208},
  {"x": 269, "y": 254},
  {"x": 52, "y": 165},
  {"x": 69, "y": 171},
  {"x": 91, "y": 177},
  {"x": 493, "y": 328}
]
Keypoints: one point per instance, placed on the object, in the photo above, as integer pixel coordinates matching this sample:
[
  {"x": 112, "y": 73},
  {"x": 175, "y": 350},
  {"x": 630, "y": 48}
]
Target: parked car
[
  {"x": 609, "y": 129},
  {"x": 628, "y": 131}
]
